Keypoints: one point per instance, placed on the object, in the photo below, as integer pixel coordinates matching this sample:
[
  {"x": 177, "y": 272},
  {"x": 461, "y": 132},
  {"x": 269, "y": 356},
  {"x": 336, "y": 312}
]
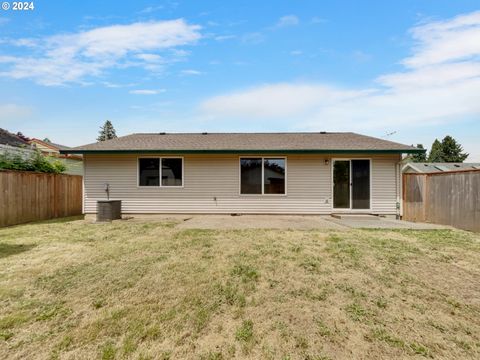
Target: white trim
[
  {"x": 349, "y": 209},
  {"x": 84, "y": 198},
  {"x": 160, "y": 172},
  {"x": 263, "y": 170}
]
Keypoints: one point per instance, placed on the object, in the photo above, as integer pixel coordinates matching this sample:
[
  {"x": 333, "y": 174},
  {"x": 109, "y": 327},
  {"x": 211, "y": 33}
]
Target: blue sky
[{"x": 408, "y": 71}]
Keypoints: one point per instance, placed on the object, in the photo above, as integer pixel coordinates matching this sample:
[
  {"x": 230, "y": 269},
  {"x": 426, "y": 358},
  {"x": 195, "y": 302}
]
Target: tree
[
  {"x": 23, "y": 137},
  {"x": 436, "y": 152},
  {"x": 106, "y": 132},
  {"x": 419, "y": 157},
  {"x": 449, "y": 150},
  {"x": 452, "y": 150},
  {"x": 47, "y": 140}
]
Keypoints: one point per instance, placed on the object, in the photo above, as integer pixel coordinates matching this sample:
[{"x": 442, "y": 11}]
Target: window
[
  {"x": 262, "y": 176},
  {"x": 170, "y": 172},
  {"x": 251, "y": 179},
  {"x": 274, "y": 176},
  {"x": 149, "y": 174}
]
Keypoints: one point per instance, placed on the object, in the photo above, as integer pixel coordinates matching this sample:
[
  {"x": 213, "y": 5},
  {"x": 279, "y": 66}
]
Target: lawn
[{"x": 148, "y": 290}]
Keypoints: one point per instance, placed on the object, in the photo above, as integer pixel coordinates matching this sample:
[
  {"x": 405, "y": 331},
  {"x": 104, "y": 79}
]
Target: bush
[{"x": 36, "y": 162}]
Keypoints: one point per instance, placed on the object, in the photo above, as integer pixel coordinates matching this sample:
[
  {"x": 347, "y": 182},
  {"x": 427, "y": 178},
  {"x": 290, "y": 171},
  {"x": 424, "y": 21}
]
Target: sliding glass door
[{"x": 351, "y": 184}]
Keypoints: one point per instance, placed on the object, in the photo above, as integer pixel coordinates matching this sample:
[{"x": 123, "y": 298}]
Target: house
[
  {"x": 260, "y": 173},
  {"x": 73, "y": 163},
  {"x": 47, "y": 147},
  {"x": 9, "y": 139},
  {"x": 16, "y": 145},
  {"x": 422, "y": 168}
]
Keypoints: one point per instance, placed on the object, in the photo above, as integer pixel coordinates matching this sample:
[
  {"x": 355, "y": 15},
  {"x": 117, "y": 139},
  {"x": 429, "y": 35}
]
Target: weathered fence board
[
  {"x": 451, "y": 198},
  {"x": 27, "y": 196}
]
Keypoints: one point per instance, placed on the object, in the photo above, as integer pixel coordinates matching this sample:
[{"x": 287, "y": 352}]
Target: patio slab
[
  {"x": 294, "y": 222},
  {"x": 375, "y": 222},
  {"x": 219, "y": 222}
]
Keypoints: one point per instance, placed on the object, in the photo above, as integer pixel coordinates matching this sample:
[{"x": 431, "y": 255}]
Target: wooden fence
[
  {"x": 30, "y": 196},
  {"x": 450, "y": 198}
]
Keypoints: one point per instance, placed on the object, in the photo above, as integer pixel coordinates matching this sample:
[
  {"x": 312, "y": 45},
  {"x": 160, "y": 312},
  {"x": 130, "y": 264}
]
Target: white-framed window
[
  {"x": 160, "y": 171},
  {"x": 263, "y": 175}
]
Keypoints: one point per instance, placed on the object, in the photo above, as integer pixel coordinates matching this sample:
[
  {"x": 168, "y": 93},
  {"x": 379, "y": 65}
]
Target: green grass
[
  {"x": 245, "y": 331},
  {"x": 149, "y": 290}
]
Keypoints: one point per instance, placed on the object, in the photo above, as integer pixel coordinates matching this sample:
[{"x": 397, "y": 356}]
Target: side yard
[{"x": 151, "y": 290}]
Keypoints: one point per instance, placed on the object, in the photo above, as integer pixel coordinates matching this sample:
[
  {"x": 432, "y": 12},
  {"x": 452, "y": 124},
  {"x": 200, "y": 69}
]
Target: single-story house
[
  {"x": 254, "y": 173},
  {"x": 73, "y": 163},
  {"x": 438, "y": 167}
]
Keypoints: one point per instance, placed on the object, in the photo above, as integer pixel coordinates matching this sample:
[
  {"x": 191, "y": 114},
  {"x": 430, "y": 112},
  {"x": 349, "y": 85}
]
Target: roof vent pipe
[{"x": 204, "y": 133}]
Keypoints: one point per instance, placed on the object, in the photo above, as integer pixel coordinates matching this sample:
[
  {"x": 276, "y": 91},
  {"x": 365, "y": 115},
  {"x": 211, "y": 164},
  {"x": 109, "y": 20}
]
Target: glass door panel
[
  {"x": 360, "y": 184},
  {"x": 341, "y": 184}
]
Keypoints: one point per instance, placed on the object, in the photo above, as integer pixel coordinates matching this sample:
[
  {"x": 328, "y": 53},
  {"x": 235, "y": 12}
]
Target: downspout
[
  {"x": 399, "y": 204},
  {"x": 399, "y": 179}
]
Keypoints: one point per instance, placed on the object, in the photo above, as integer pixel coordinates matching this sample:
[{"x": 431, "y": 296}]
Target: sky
[{"x": 404, "y": 70}]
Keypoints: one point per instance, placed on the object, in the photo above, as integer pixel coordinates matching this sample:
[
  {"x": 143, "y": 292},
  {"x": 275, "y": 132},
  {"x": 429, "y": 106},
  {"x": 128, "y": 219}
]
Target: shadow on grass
[
  {"x": 14, "y": 249},
  {"x": 49, "y": 221},
  {"x": 60, "y": 220}
]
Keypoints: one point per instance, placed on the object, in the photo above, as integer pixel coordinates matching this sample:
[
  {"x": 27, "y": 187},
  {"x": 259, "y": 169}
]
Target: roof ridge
[{"x": 245, "y": 133}]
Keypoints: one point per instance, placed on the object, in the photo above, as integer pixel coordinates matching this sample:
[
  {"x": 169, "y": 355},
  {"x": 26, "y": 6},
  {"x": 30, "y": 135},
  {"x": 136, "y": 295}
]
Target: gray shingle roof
[
  {"x": 7, "y": 138},
  {"x": 60, "y": 147},
  {"x": 442, "y": 167},
  {"x": 245, "y": 142}
]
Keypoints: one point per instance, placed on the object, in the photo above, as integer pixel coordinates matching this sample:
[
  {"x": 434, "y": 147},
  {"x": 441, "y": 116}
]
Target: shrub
[{"x": 35, "y": 162}]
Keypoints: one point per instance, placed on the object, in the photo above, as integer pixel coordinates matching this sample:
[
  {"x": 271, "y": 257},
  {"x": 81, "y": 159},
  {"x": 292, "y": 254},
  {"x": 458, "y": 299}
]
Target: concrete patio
[{"x": 300, "y": 222}]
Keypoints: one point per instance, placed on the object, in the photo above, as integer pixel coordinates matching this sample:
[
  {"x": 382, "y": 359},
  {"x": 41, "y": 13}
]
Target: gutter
[{"x": 229, "y": 151}]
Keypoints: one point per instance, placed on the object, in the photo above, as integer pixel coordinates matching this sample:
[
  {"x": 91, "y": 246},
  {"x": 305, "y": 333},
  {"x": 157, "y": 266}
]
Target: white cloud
[
  {"x": 191, "y": 72},
  {"x": 317, "y": 20},
  {"x": 153, "y": 58},
  {"x": 60, "y": 59},
  {"x": 440, "y": 83},
  {"x": 9, "y": 112},
  {"x": 296, "y": 52},
  {"x": 444, "y": 41},
  {"x": 253, "y": 38},
  {"x": 224, "y": 37},
  {"x": 151, "y": 9},
  {"x": 287, "y": 20},
  {"x": 147, "y": 91}
]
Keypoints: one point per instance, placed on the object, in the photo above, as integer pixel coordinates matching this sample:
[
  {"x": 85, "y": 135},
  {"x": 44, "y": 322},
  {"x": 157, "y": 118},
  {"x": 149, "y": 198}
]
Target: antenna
[{"x": 389, "y": 134}]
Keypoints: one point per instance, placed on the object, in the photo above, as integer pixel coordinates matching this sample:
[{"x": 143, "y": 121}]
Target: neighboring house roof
[
  {"x": 319, "y": 142},
  {"x": 7, "y": 138},
  {"x": 439, "y": 167},
  {"x": 60, "y": 147},
  {"x": 50, "y": 145}
]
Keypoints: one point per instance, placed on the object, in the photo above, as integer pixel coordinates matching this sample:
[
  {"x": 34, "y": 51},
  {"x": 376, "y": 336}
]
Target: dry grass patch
[{"x": 148, "y": 290}]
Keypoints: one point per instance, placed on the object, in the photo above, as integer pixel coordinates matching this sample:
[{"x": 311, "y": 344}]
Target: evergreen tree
[
  {"x": 452, "y": 150},
  {"x": 47, "y": 140},
  {"x": 106, "y": 132},
  {"x": 436, "y": 152},
  {"x": 419, "y": 157}
]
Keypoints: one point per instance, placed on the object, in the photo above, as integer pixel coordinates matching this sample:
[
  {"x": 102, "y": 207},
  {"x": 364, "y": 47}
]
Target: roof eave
[{"x": 259, "y": 151}]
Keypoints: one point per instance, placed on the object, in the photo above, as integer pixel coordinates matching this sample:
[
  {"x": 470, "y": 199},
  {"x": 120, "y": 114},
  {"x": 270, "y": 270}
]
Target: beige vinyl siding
[{"x": 211, "y": 185}]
